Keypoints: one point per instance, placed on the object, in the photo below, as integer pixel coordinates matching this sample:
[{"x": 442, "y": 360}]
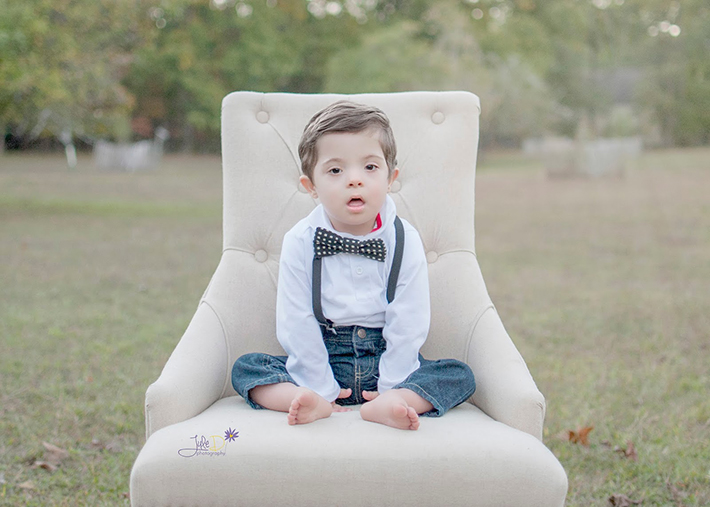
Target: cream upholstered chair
[{"x": 205, "y": 446}]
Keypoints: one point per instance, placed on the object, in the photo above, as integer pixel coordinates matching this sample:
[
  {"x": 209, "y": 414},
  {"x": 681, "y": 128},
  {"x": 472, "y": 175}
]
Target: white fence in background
[
  {"x": 131, "y": 157},
  {"x": 566, "y": 157}
]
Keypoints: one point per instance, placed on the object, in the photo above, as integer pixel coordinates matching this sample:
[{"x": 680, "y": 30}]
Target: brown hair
[{"x": 345, "y": 116}]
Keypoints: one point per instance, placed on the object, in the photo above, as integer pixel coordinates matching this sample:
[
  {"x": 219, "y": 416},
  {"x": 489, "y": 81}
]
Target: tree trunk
[{"x": 69, "y": 149}]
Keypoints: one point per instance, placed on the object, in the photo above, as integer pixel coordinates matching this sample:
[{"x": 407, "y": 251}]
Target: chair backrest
[{"x": 437, "y": 139}]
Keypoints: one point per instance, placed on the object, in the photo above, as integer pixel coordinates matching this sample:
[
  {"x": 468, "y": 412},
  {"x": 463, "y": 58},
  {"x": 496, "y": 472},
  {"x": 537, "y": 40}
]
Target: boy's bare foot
[
  {"x": 391, "y": 409},
  {"x": 307, "y": 407}
]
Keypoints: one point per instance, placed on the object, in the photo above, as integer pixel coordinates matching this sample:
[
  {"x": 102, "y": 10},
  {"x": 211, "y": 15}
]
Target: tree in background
[
  {"x": 61, "y": 65},
  {"x": 443, "y": 49},
  {"x": 115, "y": 69},
  {"x": 677, "y": 90},
  {"x": 202, "y": 51},
  {"x": 656, "y": 49}
]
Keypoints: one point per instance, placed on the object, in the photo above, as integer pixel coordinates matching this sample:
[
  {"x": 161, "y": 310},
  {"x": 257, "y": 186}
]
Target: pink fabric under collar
[{"x": 378, "y": 223}]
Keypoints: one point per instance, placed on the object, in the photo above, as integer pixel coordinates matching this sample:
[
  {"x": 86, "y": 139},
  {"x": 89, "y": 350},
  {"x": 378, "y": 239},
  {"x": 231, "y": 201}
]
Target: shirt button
[
  {"x": 361, "y": 333},
  {"x": 358, "y": 270}
]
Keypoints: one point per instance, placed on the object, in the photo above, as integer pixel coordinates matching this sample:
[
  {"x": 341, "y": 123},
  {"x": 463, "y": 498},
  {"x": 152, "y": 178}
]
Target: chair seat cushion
[{"x": 234, "y": 455}]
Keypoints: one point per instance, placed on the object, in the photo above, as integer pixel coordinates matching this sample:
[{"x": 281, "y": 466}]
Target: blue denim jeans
[{"x": 355, "y": 360}]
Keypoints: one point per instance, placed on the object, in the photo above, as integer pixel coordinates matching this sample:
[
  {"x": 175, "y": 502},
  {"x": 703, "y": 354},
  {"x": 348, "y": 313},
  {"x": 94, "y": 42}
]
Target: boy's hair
[{"x": 345, "y": 116}]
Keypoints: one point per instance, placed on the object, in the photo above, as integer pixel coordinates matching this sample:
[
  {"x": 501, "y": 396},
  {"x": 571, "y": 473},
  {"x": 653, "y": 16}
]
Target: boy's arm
[
  {"x": 297, "y": 329},
  {"x": 407, "y": 316}
]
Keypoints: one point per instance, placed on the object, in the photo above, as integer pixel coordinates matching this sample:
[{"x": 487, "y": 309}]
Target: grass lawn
[{"x": 602, "y": 283}]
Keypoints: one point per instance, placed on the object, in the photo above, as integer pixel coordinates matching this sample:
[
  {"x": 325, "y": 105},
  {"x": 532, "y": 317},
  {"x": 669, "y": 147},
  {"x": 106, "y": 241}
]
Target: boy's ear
[
  {"x": 395, "y": 173},
  {"x": 309, "y": 186}
]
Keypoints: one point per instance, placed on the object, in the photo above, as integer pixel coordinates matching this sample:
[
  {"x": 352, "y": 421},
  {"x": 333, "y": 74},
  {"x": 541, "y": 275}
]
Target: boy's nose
[{"x": 355, "y": 179}]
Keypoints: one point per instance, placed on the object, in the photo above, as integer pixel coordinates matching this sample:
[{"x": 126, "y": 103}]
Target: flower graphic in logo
[
  {"x": 230, "y": 435},
  {"x": 214, "y": 445}
]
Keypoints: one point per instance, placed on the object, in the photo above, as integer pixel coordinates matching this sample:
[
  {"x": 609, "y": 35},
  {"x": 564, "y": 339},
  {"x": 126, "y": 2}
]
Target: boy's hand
[
  {"x": 370, "y": 395},
  {"x": 344, "y": 393}
]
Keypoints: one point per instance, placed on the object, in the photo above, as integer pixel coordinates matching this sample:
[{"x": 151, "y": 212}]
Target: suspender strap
[
  {"x": 317, "y": 307},
  {"x": 391, "y": 282},
  {"x": 397, "y": 260}
]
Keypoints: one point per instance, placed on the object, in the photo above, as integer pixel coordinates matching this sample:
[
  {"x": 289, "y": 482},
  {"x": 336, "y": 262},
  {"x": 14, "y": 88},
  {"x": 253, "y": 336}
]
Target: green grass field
[{"x": 602, "y": 283}]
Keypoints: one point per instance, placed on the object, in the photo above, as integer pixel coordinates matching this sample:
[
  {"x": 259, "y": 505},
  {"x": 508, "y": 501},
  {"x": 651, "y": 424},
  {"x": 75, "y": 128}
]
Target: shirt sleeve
[
  {"x": 407, "y": 317},
  {"x": 297, "y": 329}
]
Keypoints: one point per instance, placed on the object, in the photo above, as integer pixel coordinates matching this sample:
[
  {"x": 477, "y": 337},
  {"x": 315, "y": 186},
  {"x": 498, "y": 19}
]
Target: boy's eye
[
  {"x": 370, "y": 167},
  {"x": 335, "y": 170}
]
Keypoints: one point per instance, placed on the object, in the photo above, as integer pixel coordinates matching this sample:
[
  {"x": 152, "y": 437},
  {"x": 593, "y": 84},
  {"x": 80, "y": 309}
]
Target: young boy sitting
[{"x": 352, "y": 307}]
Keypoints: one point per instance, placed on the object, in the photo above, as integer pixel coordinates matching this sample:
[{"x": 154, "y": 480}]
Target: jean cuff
[
  {"x": 277, "y": 378},
  {"x": 438, "y": 409}
]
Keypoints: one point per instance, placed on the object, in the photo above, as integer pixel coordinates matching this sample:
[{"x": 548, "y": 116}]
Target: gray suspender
[
  {"x": 317, "y": 308},
  {"x": 391, "y": 282},
  {"x": 397, "y": 259}
]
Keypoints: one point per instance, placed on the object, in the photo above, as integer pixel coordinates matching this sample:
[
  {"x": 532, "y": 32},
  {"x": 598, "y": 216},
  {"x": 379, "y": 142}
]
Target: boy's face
[{"x": 351, "y": 179}]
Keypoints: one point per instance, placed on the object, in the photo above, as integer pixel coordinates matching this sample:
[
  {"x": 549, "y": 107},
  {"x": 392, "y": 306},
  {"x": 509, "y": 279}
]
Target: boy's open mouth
[{"x": 356, "y": 202}]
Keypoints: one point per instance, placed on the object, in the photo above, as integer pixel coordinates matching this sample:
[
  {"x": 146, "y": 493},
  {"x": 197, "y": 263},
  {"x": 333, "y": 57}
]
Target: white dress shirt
[{"x": 353, "y": 292}]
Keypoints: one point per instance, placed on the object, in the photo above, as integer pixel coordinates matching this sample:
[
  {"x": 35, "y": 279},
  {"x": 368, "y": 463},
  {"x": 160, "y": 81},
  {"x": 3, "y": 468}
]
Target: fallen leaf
[
  {"x": 53, "y": 457},
  {"x": 622, "y": 501},
  {"x": 581, "y": 436},
  {"x": 562, "y": 435},
  {"x": 676, "y": 493},
  {"x": 54, "y": 454},
  {"x": 26, "y": 485},
  {"x": 50, "y": 467},
  {"x": 628, "y": 452},
  {"x": 114, "y": 446}
]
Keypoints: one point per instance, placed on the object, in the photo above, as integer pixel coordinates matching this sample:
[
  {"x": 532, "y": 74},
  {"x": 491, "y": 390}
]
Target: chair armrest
[
  {"x": 195, "y": 375},
  {"x": 505, "y": 389}
]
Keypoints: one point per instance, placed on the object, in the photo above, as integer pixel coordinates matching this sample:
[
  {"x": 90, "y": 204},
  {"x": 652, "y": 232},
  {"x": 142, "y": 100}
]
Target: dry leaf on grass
[
  {"x": 622, "y": 501},
  {"x": 677, "y": 494},
  {"x": 53, "y": 457},
  {"x": 26, "y": 485},
  {"x": 628, "y": 452},
  {"x": 44, "y": 464},
  {"x": 53, "y": 453},
  {"x": 112, "y": 446},
  {"x": 581, "y": 436}
]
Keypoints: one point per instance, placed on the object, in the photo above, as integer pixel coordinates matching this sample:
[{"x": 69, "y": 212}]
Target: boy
[{"x": 351, "y": 331}]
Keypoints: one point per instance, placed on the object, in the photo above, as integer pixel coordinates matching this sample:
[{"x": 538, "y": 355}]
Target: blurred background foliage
[{"x": 103, "y": 69}]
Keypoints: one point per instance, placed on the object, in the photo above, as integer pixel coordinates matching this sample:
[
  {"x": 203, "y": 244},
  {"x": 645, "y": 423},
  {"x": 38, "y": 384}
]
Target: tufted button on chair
[{"x": 205, "y": 446}]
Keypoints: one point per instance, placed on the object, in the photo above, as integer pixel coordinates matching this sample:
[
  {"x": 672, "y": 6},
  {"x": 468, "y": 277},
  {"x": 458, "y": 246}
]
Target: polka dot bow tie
[{"x": 328, "y": 243}]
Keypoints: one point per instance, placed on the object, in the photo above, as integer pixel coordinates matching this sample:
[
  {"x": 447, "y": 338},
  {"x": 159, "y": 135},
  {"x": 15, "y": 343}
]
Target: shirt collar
[{"x": 319, "y": 218}]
